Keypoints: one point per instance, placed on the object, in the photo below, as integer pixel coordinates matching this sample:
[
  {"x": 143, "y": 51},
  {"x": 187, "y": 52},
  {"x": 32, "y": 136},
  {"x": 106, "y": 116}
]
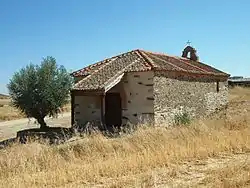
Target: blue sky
[{"x": 78, "y": 33}]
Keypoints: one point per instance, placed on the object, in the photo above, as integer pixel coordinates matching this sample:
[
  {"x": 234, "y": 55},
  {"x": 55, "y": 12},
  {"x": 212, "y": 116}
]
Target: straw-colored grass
[
  {"x": 149, "y": 157},
  {"x": 8, "y": 112},
  {"x": 239, "y": 94},
  {"x": 96, "y": 159},
  {"x": 234, "y": 175}
]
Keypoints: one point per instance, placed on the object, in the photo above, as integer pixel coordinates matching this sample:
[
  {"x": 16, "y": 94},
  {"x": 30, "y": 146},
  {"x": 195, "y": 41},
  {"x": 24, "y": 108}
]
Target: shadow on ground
[
  {"x": 59, "y": 135},
  {"x": 7, "y": 142},
  {"x": 50, "y": 135}
]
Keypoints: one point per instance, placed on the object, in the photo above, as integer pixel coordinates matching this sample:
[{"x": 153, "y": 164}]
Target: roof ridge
[
  {"x": 101, "y": 62},
  {"x": 121, "y": 71},
  {"x": 185, "y": 59},
  {"x": 158, "y": 53},
  {"x": 190, "y": 64},
  {"x": 168, "y": 62},
  {"x": 165, "y": 54},
  {"x": 87, "y": 67},
  {"x": 146, "y": 58},
  {"x": 96, "y": 71},
  {"x": 104, "y": 66}
]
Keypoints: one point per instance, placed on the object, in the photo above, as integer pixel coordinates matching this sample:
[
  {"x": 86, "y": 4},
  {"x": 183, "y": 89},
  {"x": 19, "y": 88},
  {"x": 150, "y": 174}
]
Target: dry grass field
[
  {"x": 208, "y": 153},
  {"x": 7, "y": 112}
]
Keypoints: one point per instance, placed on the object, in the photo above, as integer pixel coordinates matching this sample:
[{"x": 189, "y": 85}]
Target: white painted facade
[{"x": 136, "y": 91}]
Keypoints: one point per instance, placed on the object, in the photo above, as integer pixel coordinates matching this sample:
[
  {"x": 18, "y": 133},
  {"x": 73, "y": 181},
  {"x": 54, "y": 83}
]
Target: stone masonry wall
[
  {"x": 87, "y": 108},
  {"x": 197, "y": 97}
]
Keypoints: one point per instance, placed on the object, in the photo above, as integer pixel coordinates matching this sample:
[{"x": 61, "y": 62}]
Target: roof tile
[{"x": 103, "y": 72}]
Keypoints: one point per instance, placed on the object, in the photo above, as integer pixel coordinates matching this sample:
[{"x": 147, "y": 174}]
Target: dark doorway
[{"x": 113, "y": 111}]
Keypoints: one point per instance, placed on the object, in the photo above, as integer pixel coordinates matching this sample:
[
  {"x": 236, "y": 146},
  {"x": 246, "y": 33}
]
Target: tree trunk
[{"x": 42, "y": 123}]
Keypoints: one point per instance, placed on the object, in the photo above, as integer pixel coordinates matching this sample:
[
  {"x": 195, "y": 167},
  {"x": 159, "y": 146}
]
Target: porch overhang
[
  {"x": 100, "y": 92},
  {"x": 113, "y": 82},
  {"x": 101, "y": 89},
  {"x": 87, "y": 92}
]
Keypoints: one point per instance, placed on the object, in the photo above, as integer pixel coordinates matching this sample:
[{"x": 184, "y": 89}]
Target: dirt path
[{"x": 8, "y": 129}]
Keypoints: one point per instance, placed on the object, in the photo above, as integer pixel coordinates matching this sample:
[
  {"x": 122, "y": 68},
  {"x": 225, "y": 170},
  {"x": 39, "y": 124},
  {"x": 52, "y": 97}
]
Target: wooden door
[{"x": 113, "y": 111}]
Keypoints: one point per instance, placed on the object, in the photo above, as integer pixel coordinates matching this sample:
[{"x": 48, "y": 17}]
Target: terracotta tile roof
[
  {"x": 99, "y": 74},
  {"x": 167, "y": 62}
]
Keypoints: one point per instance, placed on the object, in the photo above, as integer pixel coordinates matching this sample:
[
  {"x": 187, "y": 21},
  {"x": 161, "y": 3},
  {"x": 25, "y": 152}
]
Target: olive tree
[{"x": 40, "y": 90}]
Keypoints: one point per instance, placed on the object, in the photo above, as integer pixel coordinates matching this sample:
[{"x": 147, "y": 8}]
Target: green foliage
[
  {"x": 39, "y": 91},
  {"x": 182, "y": 118}
]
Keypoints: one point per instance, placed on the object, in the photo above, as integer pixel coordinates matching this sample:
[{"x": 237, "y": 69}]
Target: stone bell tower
[{"x": 190, "y": 53}]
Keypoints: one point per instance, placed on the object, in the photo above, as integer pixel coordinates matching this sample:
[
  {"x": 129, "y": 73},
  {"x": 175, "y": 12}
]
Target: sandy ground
[{"x": 8, "y": 129}]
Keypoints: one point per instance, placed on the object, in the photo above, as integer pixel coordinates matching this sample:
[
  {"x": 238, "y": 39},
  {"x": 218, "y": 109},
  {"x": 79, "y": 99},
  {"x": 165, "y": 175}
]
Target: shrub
[{"x": 182, "y": 118}]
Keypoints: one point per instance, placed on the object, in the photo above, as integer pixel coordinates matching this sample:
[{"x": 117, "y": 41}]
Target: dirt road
[{"x": 8, "y": 129}]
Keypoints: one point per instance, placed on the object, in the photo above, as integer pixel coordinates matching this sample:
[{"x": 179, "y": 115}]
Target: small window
[{"x": 217, "y": 86}]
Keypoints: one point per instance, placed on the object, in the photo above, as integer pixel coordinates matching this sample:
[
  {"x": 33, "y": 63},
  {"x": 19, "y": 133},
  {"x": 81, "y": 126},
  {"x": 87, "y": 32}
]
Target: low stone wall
[
  {"x": 54, "y": 135},
  {"x": 196, "y": 97}
]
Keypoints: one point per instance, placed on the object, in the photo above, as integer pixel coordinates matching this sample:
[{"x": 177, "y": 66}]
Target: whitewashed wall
[
  {"x": 136, "y": 89},
  {"x": 87, "y": 108}
]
